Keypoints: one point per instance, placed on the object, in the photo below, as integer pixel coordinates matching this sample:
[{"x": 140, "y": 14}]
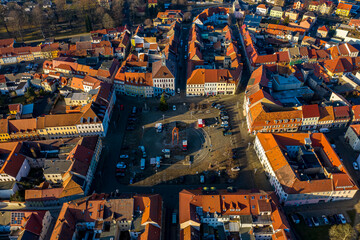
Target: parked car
[
  {"x": 202, "y": 178},
  {"x": 325, "y": 220},
  {"x": 316, "y": 222},
  {"x": 213, "y": 104},
  {"x": 121, "y": 107},
  {"x": 225, "y": 123},
  {"x": 295, "y": 218},
  {"x": 174, "y": 108},
  {"x": 225, "y": 118},
  {"x": 120, "y": 174},
  {"x": 331, "y": 219},
  {"x": 124, "y": 156},
  {"x": 308, "y": 222},
  {"x": 120, "y": 165},
  {"x": 341, "y": 218},
  {"x": 130, "y": 128},
  {"x": 235, "y": 169},
  {"x": 355, "y": 165}
]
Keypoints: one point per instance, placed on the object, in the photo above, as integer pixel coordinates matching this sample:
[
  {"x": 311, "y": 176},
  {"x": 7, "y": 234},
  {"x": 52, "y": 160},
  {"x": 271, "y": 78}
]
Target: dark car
[
  {"x": 331, "y": 219},
  {"x": 213, "y": 104},
  {"x": 120, "y": 174},
  {"x": 132, "y": 119},
  {"x": 309, "y": 222},
  {"x": 130, "y": 128},
  {"x": 337, "y": 219}
]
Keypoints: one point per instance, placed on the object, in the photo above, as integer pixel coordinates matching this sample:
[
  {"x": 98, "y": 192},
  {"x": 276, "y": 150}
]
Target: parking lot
[
  {"x": 215, "y": 140},
  {"x": 211, "y": 158},
  {"x": 315, "y": 224}
]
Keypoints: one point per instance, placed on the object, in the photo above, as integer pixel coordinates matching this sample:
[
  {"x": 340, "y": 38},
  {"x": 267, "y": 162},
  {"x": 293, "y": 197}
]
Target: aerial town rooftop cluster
[{"x": 303, "y": 76}]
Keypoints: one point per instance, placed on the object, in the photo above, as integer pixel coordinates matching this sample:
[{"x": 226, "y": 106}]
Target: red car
[{"x": 121, "y": 107}]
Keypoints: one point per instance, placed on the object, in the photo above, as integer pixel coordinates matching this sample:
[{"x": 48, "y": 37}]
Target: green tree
[
  {"x": 286, "y": 21},
  {"x": 163, "y": 104},
  {"x": 342, "y": 232}
]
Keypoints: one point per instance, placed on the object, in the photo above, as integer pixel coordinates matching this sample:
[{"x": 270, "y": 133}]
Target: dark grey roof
[
  {"x": 56, "y": 166},
  {"x": 279, "y": 9}
]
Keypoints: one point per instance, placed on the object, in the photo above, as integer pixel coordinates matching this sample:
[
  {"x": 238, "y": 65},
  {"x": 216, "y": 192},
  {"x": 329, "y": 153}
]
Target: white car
[
  {"x": 124, "y": 156},
  {"x": 235, "y": 169},
  {"x": 120, "y": 165},
  {"x": 355, "y": 165},
  {"x": 174, "y": 108},
  {"x": 166, "y": 150}
]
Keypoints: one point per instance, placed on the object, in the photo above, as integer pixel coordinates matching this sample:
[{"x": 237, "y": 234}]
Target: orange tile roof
[
  {"x": 200, "y": 76},
  {"x": 241, "y": 202},
  {"x": 326, "y": 114},
  {"x": 356, "y": 112},
  {"x": 272, "y": 144},
  {"x": 356, "y": 129},
  {"x": 151, "y": 205},
  {"x": 344, "y": 6},
  {"x": 323, "y": 28},
  {"x": 22, "y": 125}
]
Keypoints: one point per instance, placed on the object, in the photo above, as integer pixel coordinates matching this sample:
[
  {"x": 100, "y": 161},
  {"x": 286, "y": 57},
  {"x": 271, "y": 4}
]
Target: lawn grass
[
  {"x": 312, "y": 233},
  {"x": 351, "y": 213}
]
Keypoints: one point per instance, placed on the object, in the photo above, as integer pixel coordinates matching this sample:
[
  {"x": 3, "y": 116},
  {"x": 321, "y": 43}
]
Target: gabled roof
[
  {"x": 310, "y": 111},
  {"x": 258, "y": 76},
  {"x": 344, "y": 6},
  {"x": 13, "y": 162},
  {"x": 339, "y": 65},
  {"x": 323, "y": 28},
  {"x": 151, "y": 206},
  {"x": 342, "y": 112},
  {"x": 163, "y": 69}
]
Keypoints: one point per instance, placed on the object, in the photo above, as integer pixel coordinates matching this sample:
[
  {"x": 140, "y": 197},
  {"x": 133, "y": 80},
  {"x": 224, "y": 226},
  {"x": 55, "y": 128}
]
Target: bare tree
[
  {"x": 16, "y": 20},
  {"x": 99, "y": 14},
  {"x": 107, "y": 21},
  {"x": 187, "y": 16},
  {"x": 343, "y": 232},
  {"x": 38, "y": 18},
  {"x": 117, "y": 11},
  {"x": 134, "y": 5},
  {"x": 148, "y": 22},
  {"x": 3, "y": 14},
  {"x": 183, "y": 2}
]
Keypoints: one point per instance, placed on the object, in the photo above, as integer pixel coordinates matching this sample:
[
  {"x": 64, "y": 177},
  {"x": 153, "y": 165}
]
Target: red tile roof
[
  {"x": 310, "y": 111},
  {"x": 13, "y": 162},
  {"x": 342, "y": 112}
]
